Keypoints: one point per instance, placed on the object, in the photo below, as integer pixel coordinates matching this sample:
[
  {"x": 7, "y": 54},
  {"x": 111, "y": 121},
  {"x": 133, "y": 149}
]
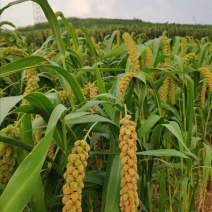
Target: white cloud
[{"x": 162, "y": 11}]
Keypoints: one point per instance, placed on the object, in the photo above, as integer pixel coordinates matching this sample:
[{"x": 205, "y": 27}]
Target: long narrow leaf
[{"x": 26, "y": 176}]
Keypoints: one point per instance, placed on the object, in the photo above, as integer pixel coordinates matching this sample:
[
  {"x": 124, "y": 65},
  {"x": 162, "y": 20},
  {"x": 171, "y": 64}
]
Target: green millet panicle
[
  {"x": 99, "y": 159},
  {"x": 207, "y": 75},
  {"x": 7, "y": 155}
]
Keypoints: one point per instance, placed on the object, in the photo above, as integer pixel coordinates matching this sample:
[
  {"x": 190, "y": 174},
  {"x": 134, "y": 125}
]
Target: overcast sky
[{"x": 172, "y": 11}]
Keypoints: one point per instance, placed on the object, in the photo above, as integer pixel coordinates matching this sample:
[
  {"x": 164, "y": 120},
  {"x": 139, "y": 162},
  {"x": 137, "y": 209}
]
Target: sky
[{"x": 157, "y": 11}]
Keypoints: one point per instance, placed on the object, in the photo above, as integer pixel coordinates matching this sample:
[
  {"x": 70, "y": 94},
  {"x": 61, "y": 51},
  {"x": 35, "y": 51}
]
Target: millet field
[{"x": 120, "y": 122}]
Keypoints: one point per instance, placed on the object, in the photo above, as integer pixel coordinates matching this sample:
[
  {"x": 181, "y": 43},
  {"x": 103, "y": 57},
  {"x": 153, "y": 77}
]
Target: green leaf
[
  {"x": 15, "y": 142},
  {"x": 207, "y": 163},
  {"x": 44, "y": 107},
  {"x": 156, "y": 137},
  {"x": 202, "y": 54},
  {"x": 116, "y": 52},
  {"x": 6, "y": 104},
  {"x": 114, "y": 186},
  {"x": 179, "y": 62},
  {"x": 162, "y": 192},
  {"x": 163, "y": 152},
  {"x": 86, "y": 119},
  {"x": 20, "y": 64},
  {"x": 156, "y": 45},
  {"x": 174, "y": 128},
  {"x": 148, "y": 124},
  {"x": 52, "y": 21},
  {"x": 95, "y": 177},
  {"x": 26, "y": 176},
  {"x": 71, "y": 81},
  {"x": 101, "y": 88},
  {"x": 11, "y": 4},
  {"x": 189, "y": 109}
]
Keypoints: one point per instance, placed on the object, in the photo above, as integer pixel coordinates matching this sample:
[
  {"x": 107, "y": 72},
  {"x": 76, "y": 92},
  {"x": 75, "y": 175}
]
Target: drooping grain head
[
  {"x": 124, "y": 83},
  {"x": 166, "y": 49},
  {"x": 133, "y": 54},
  {"x": 74, "y": 175},
  {"x": 207, "y": 75},
  {"x": 129, "y": 176},
  {"x": 7, "y": 155}
]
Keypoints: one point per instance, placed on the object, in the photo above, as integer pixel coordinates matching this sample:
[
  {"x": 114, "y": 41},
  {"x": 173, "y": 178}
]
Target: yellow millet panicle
[
  {"x": 148, "y": 60},
  {"x": 4, "y": 52},
  {"x": 7, "y": 155},
  {"x": 165, "y": 90},
  {"x": 32, "y": 83},
  {"x": 64, "y": 95},
  {"x": 129, "y": 176},
  {"x": 58, "y": 14},
  {"x": 183, "y": 47},
  {"x": 90, "y": 91},
  {"x": 99, "y": 160},
  {"x": 190, "y": 39},
  {"x": 74, "y": 175},
  {"x": 203, "y": 92},
  {"x": 78, "y": 32},
  {"x": 154, "y": 74},
  {"x": 189, "y": 58},
  {"x": 207, "y": 75},
  {"x": 96, "y": 46},
  {"x": 49, "y": 56},
  {"x": 166, "y": 49},
  {"x": 6, "y": 23},
  {"x": 173, "y": 90},
  {"x": 51, "y": 152},
  {"x": 124, "y": 83},
  {"x": 38, "y": 135},
  {"x": 133, "y": 54}
]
